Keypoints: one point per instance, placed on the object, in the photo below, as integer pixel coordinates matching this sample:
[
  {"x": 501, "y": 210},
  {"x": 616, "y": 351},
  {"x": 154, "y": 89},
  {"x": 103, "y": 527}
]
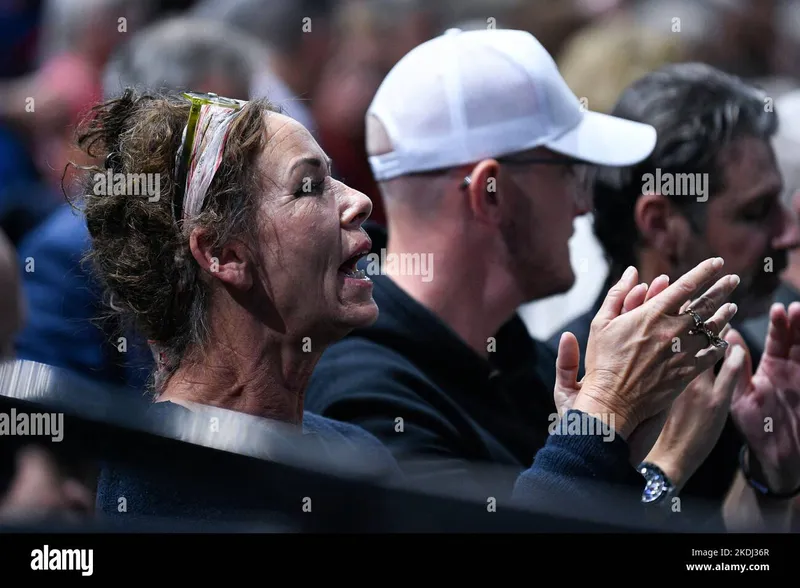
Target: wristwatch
[{"x": 658, "y": 487}]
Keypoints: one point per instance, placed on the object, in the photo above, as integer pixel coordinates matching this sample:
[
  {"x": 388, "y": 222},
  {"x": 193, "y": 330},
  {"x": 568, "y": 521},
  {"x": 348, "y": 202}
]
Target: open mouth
[{"x": 349, "y": 269}]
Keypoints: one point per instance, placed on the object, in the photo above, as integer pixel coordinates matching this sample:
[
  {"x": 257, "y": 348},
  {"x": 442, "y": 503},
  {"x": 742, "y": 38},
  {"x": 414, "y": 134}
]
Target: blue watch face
[{"x": 654, "y": 489}]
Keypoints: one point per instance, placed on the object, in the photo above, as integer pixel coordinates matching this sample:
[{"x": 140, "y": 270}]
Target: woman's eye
[{"x": 310, "y": 187}]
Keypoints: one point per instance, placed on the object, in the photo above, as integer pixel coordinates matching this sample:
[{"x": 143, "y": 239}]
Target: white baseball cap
[{"x": 471, "y": 95}]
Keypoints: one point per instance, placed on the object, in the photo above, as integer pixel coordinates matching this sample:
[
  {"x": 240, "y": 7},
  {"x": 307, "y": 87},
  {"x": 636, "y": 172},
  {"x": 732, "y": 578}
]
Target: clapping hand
[{"x": 766, "y": 408}]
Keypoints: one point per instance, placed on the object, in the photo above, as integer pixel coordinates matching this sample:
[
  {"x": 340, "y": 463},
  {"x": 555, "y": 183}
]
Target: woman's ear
[{"x": 230, "y": 263}]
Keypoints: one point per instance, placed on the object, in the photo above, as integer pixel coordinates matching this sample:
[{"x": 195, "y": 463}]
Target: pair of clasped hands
[{"x": 645, "y": 367}]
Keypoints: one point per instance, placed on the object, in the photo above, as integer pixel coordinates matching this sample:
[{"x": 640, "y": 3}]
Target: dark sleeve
[
  {"x": 132, "y": 493},
  {"x": 341, "y": 433},
  {"x": 589, "y": 477},
  {"x": 153, "y": 489},
  {"x": 580, "y": 471}
]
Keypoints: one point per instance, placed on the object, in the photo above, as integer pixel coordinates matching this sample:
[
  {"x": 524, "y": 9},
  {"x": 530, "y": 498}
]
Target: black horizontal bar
[{"x": 268, "y": 475}]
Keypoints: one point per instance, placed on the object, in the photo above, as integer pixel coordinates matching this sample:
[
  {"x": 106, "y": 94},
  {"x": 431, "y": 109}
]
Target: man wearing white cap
[{"x": 481, "y": 152}]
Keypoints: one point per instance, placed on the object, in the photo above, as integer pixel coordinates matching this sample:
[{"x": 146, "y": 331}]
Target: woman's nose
[{"x": 357, "y": 208}]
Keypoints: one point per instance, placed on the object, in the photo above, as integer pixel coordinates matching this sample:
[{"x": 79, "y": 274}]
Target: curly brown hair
[{"x": 139, "y": 252}]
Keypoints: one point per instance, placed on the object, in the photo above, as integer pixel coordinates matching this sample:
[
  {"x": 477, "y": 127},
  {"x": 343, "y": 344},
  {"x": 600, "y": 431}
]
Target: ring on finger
[{"x": 701, "y": 328}]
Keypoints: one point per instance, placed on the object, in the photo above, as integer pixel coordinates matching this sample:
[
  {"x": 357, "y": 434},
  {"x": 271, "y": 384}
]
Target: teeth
[{"x": 358, "y": 274}]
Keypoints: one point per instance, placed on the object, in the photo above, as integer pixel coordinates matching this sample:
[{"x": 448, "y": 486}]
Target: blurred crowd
[
  {"x": 321, "y": 62},
  {"x": 56, "y": 57}
]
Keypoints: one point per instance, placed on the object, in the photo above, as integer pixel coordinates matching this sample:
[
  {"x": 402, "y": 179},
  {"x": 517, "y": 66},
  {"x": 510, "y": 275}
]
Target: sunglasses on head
[{"x": 183, "y": 156}]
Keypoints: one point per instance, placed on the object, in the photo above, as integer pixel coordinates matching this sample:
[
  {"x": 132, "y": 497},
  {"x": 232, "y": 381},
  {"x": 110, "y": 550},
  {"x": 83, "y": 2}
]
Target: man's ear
[
  {"x": 483, "y": 197},
  {"x": 231, "y": 263},
  {"x": 658, "y": 222}
]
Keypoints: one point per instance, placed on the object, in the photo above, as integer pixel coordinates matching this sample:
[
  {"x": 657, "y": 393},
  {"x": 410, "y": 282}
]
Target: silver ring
[{"x": 701, "y": 328}]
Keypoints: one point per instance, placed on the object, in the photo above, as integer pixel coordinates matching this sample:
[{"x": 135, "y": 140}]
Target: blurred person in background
[
  {"x": 786, "y": 55},
  {"x": 708, "y": 160},
  {"x": 32, "y": 481},
  {"x": 714, "y": 132},
  {"x": 371, "y": 36},
  {"x": 603, "y": 59},
  {"x": 19, "y": 30},
  {"x": 482, "y": 182},
  {"x": 299, "y": 39},
  {"x": 786, "y": 144},
  {"x": 744, "y": 36},
  {"x": 46, "y": 487},
  {"x": 181, "y": 53},
  {"x": 748, "y": 38},
  {"x": 67, "y": 325},
  {"x": 76, "y": 39},
  {"x": 43, "y": 107},
  {"x": 554, "y": 22},
  {"x": 787, "y": 151}
]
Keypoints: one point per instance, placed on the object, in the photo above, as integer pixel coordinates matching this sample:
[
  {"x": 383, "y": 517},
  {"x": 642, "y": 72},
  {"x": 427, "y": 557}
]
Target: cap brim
[{"x": 602, "y": 139}]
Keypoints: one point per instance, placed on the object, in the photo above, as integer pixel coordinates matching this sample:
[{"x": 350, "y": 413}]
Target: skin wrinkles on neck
[{"x": 247, "y": 368}]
